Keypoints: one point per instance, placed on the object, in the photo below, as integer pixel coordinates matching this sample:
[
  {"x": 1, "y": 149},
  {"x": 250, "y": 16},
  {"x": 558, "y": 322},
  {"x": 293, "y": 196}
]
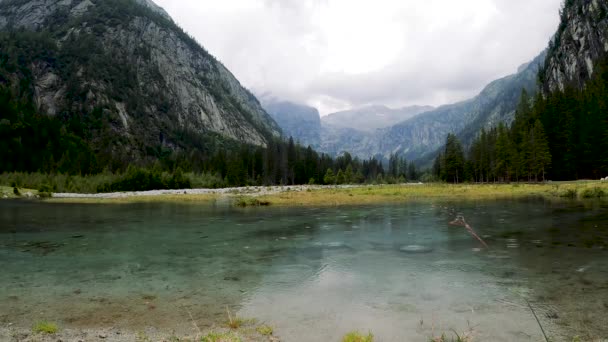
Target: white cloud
[{"x": 336, "y": 54}]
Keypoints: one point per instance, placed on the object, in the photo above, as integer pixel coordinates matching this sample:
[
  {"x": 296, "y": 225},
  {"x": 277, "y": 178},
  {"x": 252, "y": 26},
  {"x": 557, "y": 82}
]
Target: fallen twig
[
  {"x": 537, "y": 320},
  {"x": 200, "y": 333},
  {"x": 459, "y": 221}
]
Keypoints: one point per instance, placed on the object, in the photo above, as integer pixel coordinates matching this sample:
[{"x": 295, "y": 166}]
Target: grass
[
  {"x": 236, "y": 322},
  {"x": 221, "y": 337},
  {"x": 403, "y": 193},
  {"x": 45, "y": 328},
  {"x": 355, "y": 336},
  {"x": 176, "y": 198},
  {"x": 265, "y": 330},
  {"x": 244, "y": 202},
  {"x": 9, "y": 192},
  {"x": 370, "y": 194},
  {"x": 456, "y": 338},
  {"x": 89, "y": 184}
]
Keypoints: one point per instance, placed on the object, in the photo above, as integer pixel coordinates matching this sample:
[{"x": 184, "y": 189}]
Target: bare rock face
[
  {"x": 129, "y": 58},
  {"x": 371, "y": 118},
  {"x": 581, "y": 40},
  {"x": 302, "y": 123}
]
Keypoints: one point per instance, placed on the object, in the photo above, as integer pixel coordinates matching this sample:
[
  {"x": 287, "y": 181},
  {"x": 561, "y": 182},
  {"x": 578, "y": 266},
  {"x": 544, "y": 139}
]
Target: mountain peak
[
  {"x": 373, "y": 117},
  {"x": 154, "y": 84},
  {"x": 154, "y": 7}
]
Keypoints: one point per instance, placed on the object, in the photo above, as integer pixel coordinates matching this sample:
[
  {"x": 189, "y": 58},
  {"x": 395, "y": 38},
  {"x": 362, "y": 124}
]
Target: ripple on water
[{"x": 289, "y": 275}]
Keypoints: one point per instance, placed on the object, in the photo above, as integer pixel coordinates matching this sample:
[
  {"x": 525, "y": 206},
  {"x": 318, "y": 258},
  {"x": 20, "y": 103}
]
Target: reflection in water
[{"x": 400, "y": 271}]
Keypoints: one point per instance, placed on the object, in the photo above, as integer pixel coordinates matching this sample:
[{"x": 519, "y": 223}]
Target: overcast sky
[{"x": 339, "y": 54}]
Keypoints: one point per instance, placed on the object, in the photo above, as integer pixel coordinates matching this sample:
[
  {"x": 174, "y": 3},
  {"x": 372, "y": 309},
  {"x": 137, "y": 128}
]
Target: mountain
[
  {"x": 127, "y": 64},
  {"x": 580, "y": 42},
  {"x": 371, "y": 118},
  {"x": 419, "y": 137},
  {"x": 301, "y": 122}
]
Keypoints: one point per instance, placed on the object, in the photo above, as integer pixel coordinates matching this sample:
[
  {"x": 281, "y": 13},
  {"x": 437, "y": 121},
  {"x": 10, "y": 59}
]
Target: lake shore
[
  {"x": 251, "y": 332},
  {"x": 313, "y": 195}
]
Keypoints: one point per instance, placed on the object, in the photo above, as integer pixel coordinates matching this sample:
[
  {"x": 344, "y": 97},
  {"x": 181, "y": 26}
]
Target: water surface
[{"x": 399, "y": 271}]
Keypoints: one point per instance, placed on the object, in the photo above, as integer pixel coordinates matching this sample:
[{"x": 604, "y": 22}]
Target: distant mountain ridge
[
  {"x": 301, "y": 122},
  {"x": 370, "y": 118},
  {"x": 419, "y": 137}
]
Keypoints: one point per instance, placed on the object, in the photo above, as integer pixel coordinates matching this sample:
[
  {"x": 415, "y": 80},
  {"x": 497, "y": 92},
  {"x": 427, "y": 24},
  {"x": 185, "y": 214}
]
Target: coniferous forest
[
  {"x": 66, "y": 145},
  {"x": 560, "y": 135}
]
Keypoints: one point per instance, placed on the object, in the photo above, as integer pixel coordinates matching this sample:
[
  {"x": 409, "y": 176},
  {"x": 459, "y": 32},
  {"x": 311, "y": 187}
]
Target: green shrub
[
  {"x": 16, "y": 191},
  {"x": 45, "y": 328},
  {"x": 45, "y": 188},
  {"x": 569, "y": 193},
  {"x": 593, "y": 193},
  {"x": 250, "y": 202},
  {"x": 44, "y": 195},
  {"x": 356, "y": 336}
]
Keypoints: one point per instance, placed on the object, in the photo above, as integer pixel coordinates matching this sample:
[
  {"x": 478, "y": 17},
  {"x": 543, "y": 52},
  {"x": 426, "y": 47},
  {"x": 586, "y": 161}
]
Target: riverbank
[
  {"x": 306, "y": 195},
  {"x": 249, "y": 331}
]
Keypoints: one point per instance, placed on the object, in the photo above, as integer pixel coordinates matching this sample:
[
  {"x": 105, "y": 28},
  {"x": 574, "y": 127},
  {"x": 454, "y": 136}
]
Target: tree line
[
  {"x": 558, "y": 135},
  {"x": 76, "y": 145}
]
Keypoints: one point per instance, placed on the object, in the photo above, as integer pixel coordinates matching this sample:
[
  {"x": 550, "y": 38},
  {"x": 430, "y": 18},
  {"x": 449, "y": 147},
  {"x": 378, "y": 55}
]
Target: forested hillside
[
  {"x": 122, "y": 77},
  {"x": 559, "y": 136}
]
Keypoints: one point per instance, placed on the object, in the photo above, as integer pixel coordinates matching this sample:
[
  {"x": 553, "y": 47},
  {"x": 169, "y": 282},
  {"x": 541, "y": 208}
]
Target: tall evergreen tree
[{"x": 453, "y": 170}]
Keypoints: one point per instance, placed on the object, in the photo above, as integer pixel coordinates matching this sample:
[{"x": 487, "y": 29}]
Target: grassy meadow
[
  {"x": 367, "y": 194},
  {"x": 440, "y": 191}
]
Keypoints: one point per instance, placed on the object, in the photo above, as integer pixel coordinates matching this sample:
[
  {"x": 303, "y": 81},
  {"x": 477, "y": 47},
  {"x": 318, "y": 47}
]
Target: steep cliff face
[
  {"x": 128, "y": 59},
  {"x": 581, "y": 40}
]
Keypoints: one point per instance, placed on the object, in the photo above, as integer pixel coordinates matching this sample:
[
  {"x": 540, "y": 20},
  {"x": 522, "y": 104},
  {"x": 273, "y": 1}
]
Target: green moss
[
  {"x": 355, "y": 336},
  {"x": 45, "y": 328},
  {"x": 265, "y": 330},
  {"x": 221, "y": 337}
]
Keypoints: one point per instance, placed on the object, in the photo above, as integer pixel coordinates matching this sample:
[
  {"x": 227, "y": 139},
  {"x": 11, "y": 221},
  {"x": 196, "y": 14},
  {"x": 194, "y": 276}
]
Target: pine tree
[
  {"x": 505, "y": 154},
  {"x": 348, "y": 175},
  {"x": 340, "y": 177},
  {"x": 329, "y": 177},
  {"x": 412, "y": 173},
  {"x": 541, "y": 156},
  {"x": 437, "y": 166},
  {"x": 453, "y": 171}
]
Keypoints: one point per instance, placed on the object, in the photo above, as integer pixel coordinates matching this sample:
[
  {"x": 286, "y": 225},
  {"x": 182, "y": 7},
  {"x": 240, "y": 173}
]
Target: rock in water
[{"x": 416, "y": 249}]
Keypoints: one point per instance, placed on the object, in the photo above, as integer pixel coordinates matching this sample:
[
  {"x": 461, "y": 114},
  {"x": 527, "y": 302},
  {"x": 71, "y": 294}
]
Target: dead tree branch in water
[{"x": 459, "y": 221}]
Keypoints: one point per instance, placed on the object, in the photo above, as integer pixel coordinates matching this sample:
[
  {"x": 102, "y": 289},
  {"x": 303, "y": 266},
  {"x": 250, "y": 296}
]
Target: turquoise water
[{"x": 399, "y": 271}]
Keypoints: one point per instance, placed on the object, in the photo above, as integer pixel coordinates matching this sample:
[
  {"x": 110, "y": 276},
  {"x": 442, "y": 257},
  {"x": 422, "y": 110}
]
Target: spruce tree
[
  {"x": 329, "y": 177},
  {"x": 453, "y": 171}
]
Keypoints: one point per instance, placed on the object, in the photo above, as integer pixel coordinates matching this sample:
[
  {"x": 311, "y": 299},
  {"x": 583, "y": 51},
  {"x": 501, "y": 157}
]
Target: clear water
[{"x": 312, "y": 274}]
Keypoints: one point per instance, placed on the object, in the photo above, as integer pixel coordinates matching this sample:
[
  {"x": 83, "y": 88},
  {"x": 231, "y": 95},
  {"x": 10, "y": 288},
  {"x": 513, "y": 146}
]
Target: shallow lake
[{"x": 399, "y": 271}]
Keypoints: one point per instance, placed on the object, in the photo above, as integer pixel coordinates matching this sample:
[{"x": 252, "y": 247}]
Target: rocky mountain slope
[
  {"x": 128, "y": 60},
  {"x": 301, "y": 122},
  {"x": 424, "y": 134},
  {"x": 581, "y": 40},
  {"x": 370, "y": 118},
  {"x": 420, "y": 136}
]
